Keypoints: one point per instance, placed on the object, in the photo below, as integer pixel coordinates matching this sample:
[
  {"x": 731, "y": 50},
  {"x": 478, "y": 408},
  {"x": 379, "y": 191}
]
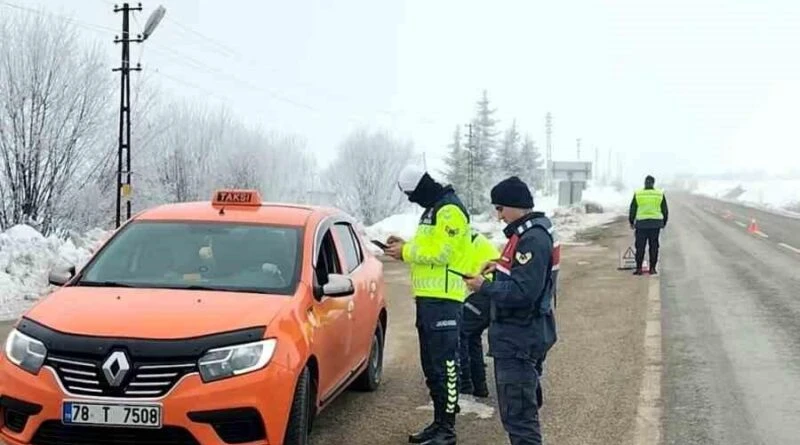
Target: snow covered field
[
  {"x": 26, "y": 257},
  {"x": 776, "y": 195}
]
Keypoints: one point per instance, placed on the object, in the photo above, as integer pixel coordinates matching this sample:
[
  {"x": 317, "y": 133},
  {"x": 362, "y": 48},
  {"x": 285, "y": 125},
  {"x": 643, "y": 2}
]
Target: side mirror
[
  {"x": 338, "y": 286},
  {"x": 60, "y": 277}
]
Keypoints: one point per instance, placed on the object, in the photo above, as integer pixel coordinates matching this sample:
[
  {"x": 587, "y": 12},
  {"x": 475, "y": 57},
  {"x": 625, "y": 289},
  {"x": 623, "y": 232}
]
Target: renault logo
[{"x": 116, "y": 367}]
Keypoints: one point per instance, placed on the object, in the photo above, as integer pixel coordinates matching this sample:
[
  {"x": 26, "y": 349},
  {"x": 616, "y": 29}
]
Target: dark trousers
[
  {"x": 517, "y": 382},
  {"x": 539, "y": 366},
  {"x": 476, "y": 320},
  {"x": 650, "y": 237},
  {"x": 438, "y": 325}
]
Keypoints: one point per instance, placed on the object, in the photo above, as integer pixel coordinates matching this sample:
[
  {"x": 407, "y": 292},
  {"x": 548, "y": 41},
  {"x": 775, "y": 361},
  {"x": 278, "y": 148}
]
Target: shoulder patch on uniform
[
  {"x": 523, "y": 258},
  {"x": 451, "y": 231}
]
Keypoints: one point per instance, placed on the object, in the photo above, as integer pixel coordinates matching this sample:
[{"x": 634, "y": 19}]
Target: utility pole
[
  {"x": 548, "y": 174},
  {"x": 579, "y": 148},
  {"x": 124, "y": 146},
  {"x": 596, "y": 165}
]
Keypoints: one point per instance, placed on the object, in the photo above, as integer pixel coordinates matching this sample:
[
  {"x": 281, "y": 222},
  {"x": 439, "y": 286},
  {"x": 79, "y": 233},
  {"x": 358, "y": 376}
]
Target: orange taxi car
[{"x": 230, "y": 321}]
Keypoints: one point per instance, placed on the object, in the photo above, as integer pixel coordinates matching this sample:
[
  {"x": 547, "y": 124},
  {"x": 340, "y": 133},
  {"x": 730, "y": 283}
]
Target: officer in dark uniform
[
  {"x": 522, "y": 328},
  {"x": 438, "y": 254},
  {"x": 648, "y": 214},
  {"x": 475, "y": 321}
]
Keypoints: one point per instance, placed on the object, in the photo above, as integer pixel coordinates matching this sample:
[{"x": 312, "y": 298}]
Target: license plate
[{"x": 111, "y": 414}]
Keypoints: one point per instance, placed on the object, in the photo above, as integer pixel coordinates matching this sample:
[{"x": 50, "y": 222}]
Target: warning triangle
[{"x": 628, "y": 255}]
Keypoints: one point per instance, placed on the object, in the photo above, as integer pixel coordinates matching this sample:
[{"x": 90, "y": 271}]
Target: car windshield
[{"x": 195, "y": 255}]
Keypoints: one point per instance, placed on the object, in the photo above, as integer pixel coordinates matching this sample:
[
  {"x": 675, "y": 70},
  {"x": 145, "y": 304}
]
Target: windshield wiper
[
  {"x": 103, "y": 284},
  {"x": 215, "y": 289},
  {"x": 194, "y": 287}
]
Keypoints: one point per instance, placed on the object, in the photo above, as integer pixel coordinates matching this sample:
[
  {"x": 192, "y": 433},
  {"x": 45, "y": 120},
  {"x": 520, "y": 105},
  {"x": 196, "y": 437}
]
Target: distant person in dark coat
[{"x": 648, "y": 215}]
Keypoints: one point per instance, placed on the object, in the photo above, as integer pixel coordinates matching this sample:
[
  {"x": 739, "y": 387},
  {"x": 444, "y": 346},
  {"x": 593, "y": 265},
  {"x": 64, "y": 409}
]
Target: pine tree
[
  {"x": 456, "y": 160},
  {"x": 530, "y": 161},
  {"x": 508, "y": 156},
  {"x": 481, "y": 155}
]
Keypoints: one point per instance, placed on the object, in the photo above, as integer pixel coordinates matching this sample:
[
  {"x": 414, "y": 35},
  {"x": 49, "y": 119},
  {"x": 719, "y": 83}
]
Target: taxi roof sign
[{"x": 233, "y": 197}]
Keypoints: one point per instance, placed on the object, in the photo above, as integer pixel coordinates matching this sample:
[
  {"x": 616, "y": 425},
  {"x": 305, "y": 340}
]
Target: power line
[
  {"x": 91, "y": 26},
  {"x": 229, "y": 52},
  {"x": 199, "y": 65}
]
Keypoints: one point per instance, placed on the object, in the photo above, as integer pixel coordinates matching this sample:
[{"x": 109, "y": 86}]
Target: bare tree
[
  {"x": 288, "y": 167},
  {"x": 364, "y": 175},
  {"x": 54, "y": 100},
  {"x": 93, "y": 205},
  {"x": 182, "y": 156}
]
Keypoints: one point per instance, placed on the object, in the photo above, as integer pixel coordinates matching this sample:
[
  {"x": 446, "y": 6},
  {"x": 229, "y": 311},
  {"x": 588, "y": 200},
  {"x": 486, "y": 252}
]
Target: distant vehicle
[{"x": 229, "y": 321}]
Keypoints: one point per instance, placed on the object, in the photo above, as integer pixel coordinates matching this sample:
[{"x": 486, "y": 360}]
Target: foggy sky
[{"x": 682, "y": 85}]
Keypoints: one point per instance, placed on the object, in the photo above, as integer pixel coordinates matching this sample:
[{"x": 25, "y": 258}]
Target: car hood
[{"x": 153, "y": 313}]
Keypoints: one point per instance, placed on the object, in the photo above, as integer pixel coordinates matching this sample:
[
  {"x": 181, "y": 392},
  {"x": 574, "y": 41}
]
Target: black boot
[
  {"x": 653, "y": 270},
  {"x": 481, "y": 390},
  {"x": 446, "y": 433},
  {"x": 638, "y": 271},
  {"x": 426, "y": 434}
]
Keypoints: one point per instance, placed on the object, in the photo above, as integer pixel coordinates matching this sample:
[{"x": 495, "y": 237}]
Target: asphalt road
[
  {"x": 779, "y": 229},
  {"x": 730, "y": 325},
  {"x": 592, "y": 379}
]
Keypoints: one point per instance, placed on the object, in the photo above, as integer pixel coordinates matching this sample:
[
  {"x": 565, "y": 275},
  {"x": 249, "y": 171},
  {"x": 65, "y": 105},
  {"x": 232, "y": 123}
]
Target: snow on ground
[
  {"x": 469, "y": 406},
  {"x": 776, "y": 195},
  {"x": 26, "y": 259},
  {"x": 568, "y": 221}
]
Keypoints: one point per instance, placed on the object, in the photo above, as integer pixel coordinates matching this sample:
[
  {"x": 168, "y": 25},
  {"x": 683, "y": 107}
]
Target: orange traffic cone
[{"x": 753, "y": 227}]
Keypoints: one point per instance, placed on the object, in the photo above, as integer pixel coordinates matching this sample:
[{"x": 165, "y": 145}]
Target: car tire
[
  {"x": 298, "y": 428},
  {"x": 370, "y": 379}
]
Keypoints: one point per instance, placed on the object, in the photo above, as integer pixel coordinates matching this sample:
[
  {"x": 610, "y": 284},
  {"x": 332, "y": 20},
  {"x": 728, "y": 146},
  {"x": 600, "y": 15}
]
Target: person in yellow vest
[
  {"x": 439, "y": 254},
  {"x": 648, "y": 215},
  {"x": 476, "y": 320}
]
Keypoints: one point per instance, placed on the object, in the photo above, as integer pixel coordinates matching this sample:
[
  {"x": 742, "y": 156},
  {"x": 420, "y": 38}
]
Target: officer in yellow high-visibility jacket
[
  {"x": 648, "y": 215},
  {"x": 439, "y": 255},
  {"x": 476, "y": 320}
]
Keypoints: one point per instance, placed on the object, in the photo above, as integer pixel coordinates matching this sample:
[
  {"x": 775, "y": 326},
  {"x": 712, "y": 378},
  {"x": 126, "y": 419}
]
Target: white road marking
[
  {"x": 762, "y": 234},
  {"x": 741, "y": 224},
  {"x": 788, "y": 247},
  {"x": 648, "y": 412}
]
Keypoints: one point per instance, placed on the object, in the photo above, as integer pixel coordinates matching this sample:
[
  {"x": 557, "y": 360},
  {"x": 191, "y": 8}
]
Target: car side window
[
  {"x": 328, "y": 260},
  {"x": 352, "y": 251}
]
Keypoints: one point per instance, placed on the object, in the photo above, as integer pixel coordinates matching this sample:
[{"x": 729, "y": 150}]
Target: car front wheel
[{"x": 298, "y": 428}]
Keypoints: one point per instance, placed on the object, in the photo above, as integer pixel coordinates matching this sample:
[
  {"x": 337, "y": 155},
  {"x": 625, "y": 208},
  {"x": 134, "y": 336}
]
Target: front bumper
[{"x": 251, "y": 408}]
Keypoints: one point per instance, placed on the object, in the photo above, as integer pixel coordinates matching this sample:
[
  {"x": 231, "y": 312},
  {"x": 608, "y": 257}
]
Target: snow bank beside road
[{"x": 26, "y": 259}]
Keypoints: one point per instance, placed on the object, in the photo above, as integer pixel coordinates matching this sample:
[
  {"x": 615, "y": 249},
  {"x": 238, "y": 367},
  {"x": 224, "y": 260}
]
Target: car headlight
[
  {"x": 25, "y": 352},
  {"x": 229, "y": 361}
]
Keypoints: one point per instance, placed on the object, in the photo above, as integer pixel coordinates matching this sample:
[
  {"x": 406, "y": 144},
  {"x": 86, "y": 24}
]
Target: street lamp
[
  {"x": 124, "y": 147},
  {"x": 153, "y": 21}
]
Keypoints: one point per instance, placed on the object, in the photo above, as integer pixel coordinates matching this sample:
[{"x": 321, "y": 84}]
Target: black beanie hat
[{"x": 512, "y": 192}]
